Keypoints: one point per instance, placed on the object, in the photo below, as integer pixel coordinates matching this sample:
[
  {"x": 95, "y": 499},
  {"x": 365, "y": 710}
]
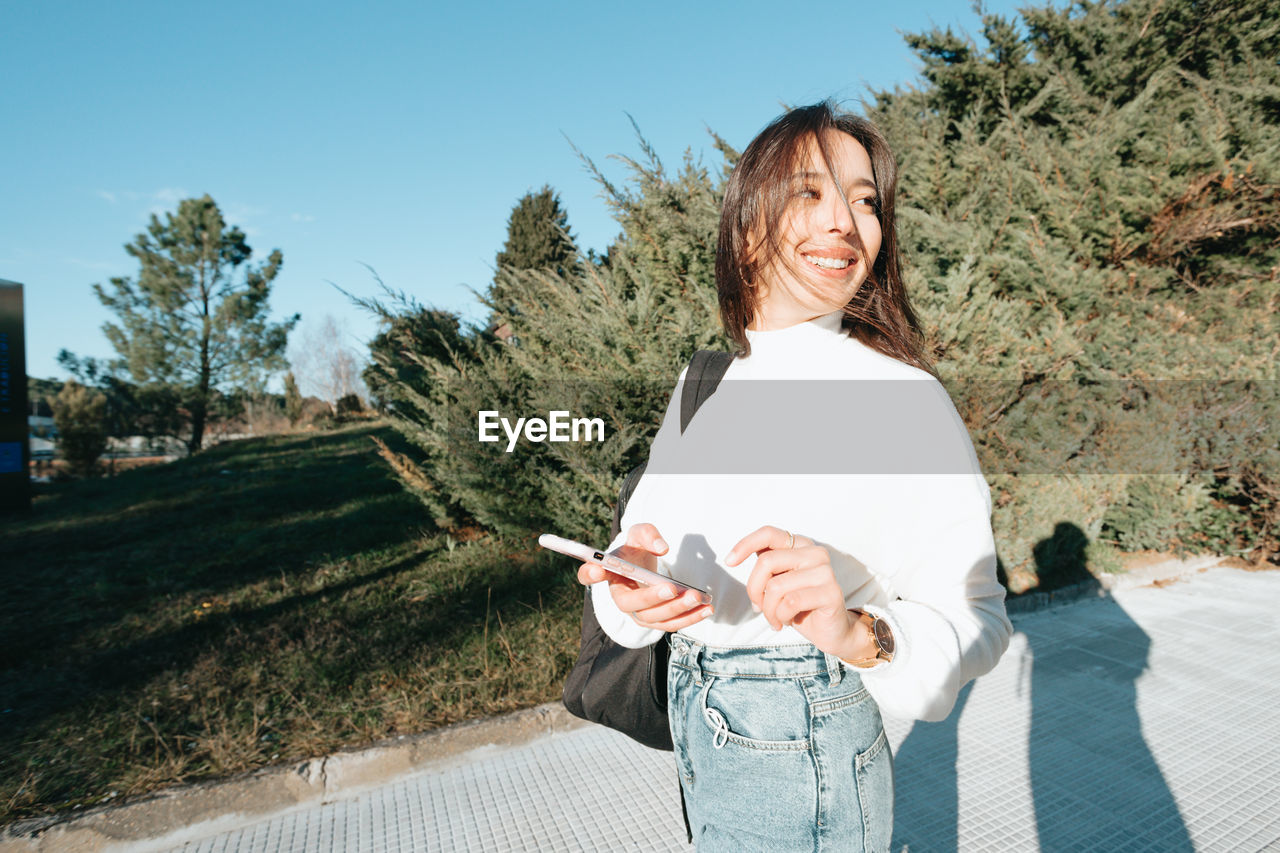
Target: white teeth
[{"x": 828, "y": 263}]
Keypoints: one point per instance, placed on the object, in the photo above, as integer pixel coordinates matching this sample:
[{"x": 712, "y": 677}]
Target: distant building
[
  {"x": 134, "y": 446},
  {"x": 41, "y": 426},
  {"x": 503, "y": 332},
  {"x": 41, "y": 432},
  {"x": 42, "y": 449}
]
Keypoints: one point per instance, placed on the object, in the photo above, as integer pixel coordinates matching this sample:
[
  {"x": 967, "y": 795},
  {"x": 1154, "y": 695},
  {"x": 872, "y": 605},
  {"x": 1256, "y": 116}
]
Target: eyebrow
[{"x": 817, "y": 176}]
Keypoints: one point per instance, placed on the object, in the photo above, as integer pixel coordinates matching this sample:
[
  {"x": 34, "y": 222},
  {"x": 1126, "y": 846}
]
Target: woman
[{"x": 837, "y": 516}]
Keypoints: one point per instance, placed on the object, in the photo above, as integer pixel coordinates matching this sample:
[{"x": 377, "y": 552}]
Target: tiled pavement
[{"x": 1145, "y": 720}]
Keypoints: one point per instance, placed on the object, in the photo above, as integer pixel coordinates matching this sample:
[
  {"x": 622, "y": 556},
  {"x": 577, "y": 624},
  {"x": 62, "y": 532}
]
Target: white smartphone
[{"x": 639, "y": 574}]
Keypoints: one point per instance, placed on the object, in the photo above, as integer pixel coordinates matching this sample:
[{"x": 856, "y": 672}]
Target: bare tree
[{"x": 325, "y": 362}]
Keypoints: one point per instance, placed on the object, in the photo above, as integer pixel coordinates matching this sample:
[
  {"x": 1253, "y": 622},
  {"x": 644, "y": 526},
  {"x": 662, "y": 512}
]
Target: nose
[{"x": 837, "y": 218}]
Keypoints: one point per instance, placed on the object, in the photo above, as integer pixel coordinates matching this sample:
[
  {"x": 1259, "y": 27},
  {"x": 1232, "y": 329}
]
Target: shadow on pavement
[{"x": 1094, "y": 784}]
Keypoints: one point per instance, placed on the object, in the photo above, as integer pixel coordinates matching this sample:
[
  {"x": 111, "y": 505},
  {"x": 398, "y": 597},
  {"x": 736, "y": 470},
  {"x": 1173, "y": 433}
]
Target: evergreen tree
[
  {"x": 194, "y": 322},
  {"x": 604, "y": 340},
  {"x": 414, "y": 362},
  {"x": 348, "y": 404},
  {"x": 80, "y": 416},
  {"x": 412, "y": 335},
  {"x": 292, "y": 399},
  {"x": 1088, "y": 201},
  {"x": 538, "y": 238},
  {"x": 538, "y": 235},
  {"x": 151, "y": 411},
  {"x": 1095, "y": 202}
]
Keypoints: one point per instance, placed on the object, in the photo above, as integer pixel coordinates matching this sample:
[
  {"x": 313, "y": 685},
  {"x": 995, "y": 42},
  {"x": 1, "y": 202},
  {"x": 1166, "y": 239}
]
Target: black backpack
[{"x": 626, "y": 689}]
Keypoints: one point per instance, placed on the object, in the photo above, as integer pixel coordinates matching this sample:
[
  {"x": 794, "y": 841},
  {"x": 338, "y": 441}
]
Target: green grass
[{"x": 264, "y": 602}]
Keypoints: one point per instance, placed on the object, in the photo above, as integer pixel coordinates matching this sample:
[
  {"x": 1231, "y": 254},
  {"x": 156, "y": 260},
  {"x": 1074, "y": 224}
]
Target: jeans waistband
[{"x": 794, "y": 661}]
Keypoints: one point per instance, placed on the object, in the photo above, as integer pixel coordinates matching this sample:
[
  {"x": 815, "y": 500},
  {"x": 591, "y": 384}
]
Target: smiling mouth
[{"x": 828, "y": 263}]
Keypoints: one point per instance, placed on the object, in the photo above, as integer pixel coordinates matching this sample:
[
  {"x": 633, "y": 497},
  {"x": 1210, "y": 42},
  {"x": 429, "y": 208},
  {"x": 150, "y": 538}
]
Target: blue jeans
[{"x": 778, "y": 748}]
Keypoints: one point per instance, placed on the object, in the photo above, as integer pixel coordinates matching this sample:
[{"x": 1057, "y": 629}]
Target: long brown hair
[{"x": 756, "y": 197}]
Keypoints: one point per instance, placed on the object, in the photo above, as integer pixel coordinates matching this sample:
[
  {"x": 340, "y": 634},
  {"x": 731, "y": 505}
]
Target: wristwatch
[{"x": 881, "y": 636}]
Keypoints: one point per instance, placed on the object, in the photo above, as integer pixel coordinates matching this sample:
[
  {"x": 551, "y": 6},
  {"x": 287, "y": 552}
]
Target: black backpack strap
[
  {"x": 705, "y": 372},
  {"x": 624, "y": 494}
]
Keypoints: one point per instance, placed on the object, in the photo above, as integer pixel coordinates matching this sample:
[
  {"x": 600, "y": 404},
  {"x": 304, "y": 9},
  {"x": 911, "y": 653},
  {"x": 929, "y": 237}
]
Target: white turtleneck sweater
[{"x": 884, "y": 477}]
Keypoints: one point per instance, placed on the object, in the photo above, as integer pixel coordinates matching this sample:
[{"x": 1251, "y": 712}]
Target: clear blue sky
[{"x": 397, "y": 135}]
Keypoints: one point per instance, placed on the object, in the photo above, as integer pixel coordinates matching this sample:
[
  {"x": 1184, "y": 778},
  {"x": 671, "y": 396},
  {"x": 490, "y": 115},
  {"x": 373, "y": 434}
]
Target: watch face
[{"x": 884, "y": 636}]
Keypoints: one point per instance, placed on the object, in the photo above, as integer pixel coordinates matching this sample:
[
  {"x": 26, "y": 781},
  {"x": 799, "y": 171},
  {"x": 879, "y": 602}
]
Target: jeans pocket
[
  {"x": 875, "y": 793},
  {"x": 822, "y": 707},
  {"x": 766, "y": 715}
]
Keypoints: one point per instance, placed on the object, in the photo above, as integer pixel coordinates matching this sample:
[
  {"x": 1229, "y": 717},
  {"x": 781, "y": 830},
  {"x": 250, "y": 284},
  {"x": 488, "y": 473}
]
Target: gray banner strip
[{"x": 843, "y": 427}]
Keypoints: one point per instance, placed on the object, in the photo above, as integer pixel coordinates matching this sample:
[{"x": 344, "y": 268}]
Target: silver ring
[{"x": 791, "y": 539}]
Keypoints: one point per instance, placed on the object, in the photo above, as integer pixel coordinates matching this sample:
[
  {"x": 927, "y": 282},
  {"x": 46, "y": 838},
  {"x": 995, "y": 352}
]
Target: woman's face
[{"x": 826, "y": 248}]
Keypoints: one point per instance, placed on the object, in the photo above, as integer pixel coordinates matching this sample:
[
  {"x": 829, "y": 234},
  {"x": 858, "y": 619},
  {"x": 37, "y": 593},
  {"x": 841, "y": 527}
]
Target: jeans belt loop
[
  {"x": 684, "y": 649},
  {"x": 835, "y": 668}
]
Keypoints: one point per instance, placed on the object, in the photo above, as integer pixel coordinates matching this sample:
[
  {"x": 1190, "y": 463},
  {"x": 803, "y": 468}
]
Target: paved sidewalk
[{"x": 1145, "y": 720}]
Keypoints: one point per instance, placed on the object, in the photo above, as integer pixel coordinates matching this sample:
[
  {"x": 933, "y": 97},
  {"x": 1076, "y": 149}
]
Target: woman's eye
[
  {"x": 808, "y": 192},
  {"x": 867, "y": 202}
]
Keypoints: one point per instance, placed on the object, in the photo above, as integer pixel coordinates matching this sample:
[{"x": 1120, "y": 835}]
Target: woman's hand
[
  {"x": 792, "y": 583},
  {"x": 658, "y": 607}
]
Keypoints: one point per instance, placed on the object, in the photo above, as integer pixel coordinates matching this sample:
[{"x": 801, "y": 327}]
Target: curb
[
  {"x": 198, "y": 811},
  {"x": 1104, "y": 585}
]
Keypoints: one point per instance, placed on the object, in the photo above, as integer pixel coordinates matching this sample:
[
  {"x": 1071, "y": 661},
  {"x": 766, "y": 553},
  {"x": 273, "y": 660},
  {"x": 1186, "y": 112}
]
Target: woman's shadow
[{"x": 1094, "y": 784}]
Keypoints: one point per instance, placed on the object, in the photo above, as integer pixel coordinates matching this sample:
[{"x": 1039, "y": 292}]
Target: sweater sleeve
[
  {"x": 946, "y": 607},
  {"x": 620, "y": 627}
]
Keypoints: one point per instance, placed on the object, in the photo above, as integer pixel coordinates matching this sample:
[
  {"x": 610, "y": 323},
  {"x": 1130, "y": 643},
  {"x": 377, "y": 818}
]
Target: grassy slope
[{"x": 265, "y": 601}]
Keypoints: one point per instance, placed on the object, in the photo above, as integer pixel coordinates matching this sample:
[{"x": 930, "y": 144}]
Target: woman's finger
[
  {"x": 796, "y": 593},
  {"x": 782, "y": 585},
  {"x": 774, "y": 587},
  {"x": 668, "y": 610},
  {"x": 767, "y": 538},
  {"x": 760, "y": 539},
  {"x": 673, "y": 625},
  {"x": 773, "y": 563},
  {"x": 589, "y": 573},
  {"x": 632, "y": 597},
  {"x": 643, "y": 541},
  {"x": 646, "y": 537}
]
